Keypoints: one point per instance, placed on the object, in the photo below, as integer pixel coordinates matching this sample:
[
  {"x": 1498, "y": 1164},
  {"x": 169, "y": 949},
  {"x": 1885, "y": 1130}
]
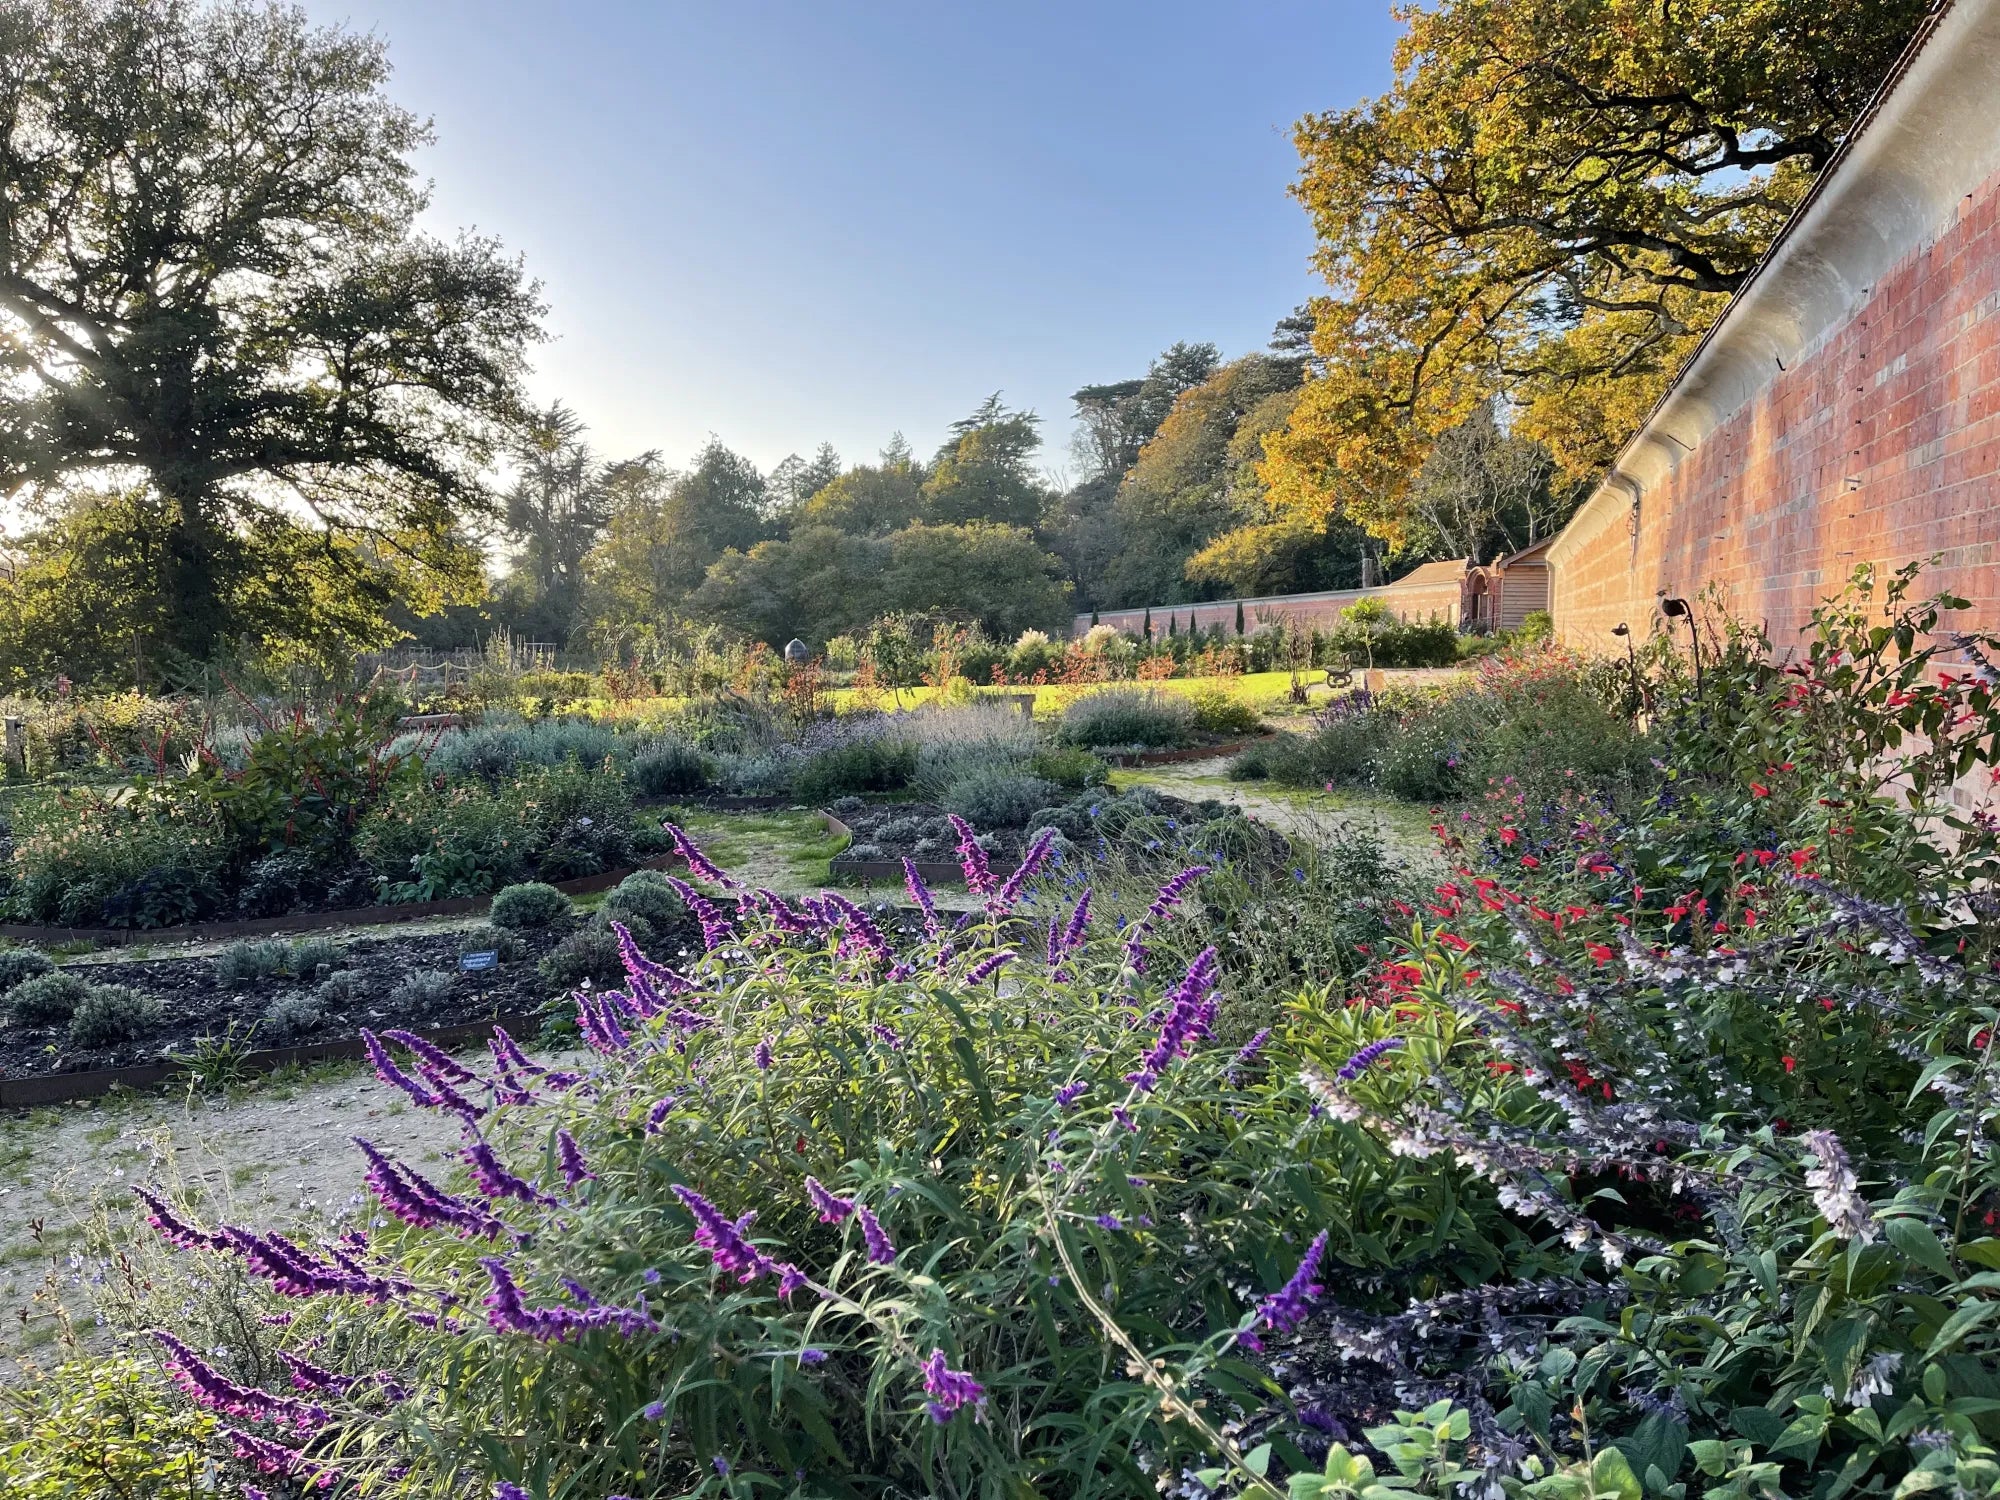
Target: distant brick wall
[
  {"x": 1881, "y": 445},
  {"x": 1409, "y": 600}
]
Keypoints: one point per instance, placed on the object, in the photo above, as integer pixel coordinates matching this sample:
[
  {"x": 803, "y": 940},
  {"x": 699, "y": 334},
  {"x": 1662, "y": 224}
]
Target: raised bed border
[
  {"x": 934, "y": 872},
  {"x": 311, "y": 921},
  {"x": 92, "y": 1083}
]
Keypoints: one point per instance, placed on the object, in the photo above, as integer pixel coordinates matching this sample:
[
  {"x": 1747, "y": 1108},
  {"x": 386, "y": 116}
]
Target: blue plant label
[{"x": 472, "y": 963}]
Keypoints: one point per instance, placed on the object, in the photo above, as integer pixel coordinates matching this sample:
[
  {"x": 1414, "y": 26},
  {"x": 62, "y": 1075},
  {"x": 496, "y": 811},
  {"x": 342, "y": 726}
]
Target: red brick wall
[
  {"x": 1409, "y": 601},
  {"x": 1882, "y": 445}
]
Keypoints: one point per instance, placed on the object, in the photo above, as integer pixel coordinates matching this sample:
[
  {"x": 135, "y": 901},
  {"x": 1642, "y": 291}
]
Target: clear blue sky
[{"x": 788, "y": 222}]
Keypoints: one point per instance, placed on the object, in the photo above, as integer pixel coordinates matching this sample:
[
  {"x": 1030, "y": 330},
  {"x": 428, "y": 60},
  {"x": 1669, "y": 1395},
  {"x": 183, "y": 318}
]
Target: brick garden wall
[{"x": 1881, "y": 445}]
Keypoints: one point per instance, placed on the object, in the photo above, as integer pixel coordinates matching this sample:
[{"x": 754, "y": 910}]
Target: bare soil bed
[{"x": 198, "y": 1005}]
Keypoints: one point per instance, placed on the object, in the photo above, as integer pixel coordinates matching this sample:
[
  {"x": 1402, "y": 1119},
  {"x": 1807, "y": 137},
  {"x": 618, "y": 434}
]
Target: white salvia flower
[
  {"x": 1834, "y": 1188},
  {"x": 1873, "y": 1379}
]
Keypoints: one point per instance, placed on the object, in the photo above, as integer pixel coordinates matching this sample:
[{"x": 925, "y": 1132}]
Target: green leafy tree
[
  {"x": 983, "y": 473},
  {"x": 868, "y": 500},
  {"x": 995, "y": 576},
  {"x": 814, "y": 584},
  {"x": 796, "y": 480},
  {"x": 1194, "y": 480},
  {"x": 1554, "y": 201},
  {"x": 91, "y": 594},
  {"x": 557, "y": 508},
  {"x": 662, "y": 533},
  {"x": 210, "y": 277}
]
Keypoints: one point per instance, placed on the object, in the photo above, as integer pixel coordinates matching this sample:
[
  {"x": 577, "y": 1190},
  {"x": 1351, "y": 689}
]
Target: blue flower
[{"x": 654, "y": 1411}]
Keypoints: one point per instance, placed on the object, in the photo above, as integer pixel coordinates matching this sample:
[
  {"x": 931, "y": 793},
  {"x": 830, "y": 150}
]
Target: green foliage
[
  {"x": 46, "y": 999},
  {"x": 79, "y": 860},
  {"x": 1119, "y": 717},
  {"x": 261, "y": 267},
  {"x": 102, "y": 1428},
  {"x": 863, "y": 764},
  {"x": 341, "y": 989},
  {"x": 589, "y": 953},
  {"x": 646, "y": 896},
  {"x": 261, "y": 958},
  {"x": 112, "y": 1013},
  {"x": 492, "y": 753},
  {"x": 1068, "y": 767},
  {"x": 463, "y": 839},
  {"x": 531, "y": 904},
  {"x": 668, "y": 768},
  {"x": 251, "y": 959},
  {"x": 289, "y": 1017},
  {"x": 1532, "y": 719},
  {"x": 1218, "y": 711}
]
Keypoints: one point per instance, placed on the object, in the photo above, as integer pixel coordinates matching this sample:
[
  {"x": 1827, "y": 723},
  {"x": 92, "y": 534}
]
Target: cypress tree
[
  {"x": 1239, "y": 617},
  {"x": 1146, "y": 629}
]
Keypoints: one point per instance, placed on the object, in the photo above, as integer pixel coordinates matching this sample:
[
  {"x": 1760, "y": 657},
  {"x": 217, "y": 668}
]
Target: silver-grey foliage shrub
[{"x": 112, "y": 1013}]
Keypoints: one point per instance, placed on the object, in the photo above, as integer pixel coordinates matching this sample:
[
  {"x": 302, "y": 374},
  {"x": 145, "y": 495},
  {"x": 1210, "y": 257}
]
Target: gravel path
[{"x": 260, "y": 1157}]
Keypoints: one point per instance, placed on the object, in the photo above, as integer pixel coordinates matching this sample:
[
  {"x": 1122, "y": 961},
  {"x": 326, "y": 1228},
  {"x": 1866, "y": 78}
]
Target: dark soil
[{"x": 198, "y": 1005}]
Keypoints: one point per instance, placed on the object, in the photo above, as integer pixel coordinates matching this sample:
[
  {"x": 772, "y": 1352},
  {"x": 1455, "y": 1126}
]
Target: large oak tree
[
  {"x": 211, "y": 281},
  {"x": 1553, "y": 202}
]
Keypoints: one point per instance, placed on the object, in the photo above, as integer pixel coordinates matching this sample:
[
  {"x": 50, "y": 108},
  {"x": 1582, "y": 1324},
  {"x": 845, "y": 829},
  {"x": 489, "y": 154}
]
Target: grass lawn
[
  {"x": 1267, "y": 692},
  {"x": 785, "y": 850}
]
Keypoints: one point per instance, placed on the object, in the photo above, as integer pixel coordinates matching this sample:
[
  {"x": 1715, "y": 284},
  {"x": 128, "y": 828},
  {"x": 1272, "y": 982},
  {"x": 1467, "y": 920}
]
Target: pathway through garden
[
  {"x": 1403, "y": 827},
  {"x": 263, "y": 1154}
]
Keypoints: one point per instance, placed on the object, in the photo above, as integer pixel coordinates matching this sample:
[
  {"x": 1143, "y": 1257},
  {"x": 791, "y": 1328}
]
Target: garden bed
[
  {"x": 307, "y": 921},
  {"x": 198, "y": 1006}
]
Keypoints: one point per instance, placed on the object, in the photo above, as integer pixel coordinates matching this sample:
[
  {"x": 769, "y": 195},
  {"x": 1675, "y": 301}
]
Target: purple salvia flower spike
[
  {"x": 389, "y": 1073},
  {"x": 948, "y": 1389},
  {"x": 569, "y": 1156},
  {"x": 1366, "y": 1058},
  {"x": 881, "y": 1251},
  {"x": 921, "y": 894},
  {"x": 433, "y": 1058},
  {"x": 495, "y": 1180},
  {"x": 1285, "y": 1308},
  {"x": 1032, "y": 860},
  {"x": 697, "y": 862},
  {"x": 1079, "y": 923},
  {"x": 724, "y": 1239},
  {"x": 988, "y": 966},
  {"x": 972, "y": 859},
  {"x": 832, "y": 1207},
  {"x": 175, "y": 1230},
  {"x": 860, "y": 927}
]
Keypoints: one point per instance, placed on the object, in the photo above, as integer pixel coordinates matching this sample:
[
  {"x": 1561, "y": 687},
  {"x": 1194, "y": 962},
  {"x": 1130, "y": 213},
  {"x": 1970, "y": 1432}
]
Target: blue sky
[{"x": 788, "y": 222}]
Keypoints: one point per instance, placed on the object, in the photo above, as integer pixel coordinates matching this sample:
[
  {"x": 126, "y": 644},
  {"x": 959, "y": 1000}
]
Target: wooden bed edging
[
  {"x": 933, "y": 872},
  {"x": 61, "y": 1088},
  {"x": 311, "y": 921}
]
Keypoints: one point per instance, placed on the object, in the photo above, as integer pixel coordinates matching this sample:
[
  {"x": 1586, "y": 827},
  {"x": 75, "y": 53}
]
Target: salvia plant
[{"x": 828, "y": 1212}]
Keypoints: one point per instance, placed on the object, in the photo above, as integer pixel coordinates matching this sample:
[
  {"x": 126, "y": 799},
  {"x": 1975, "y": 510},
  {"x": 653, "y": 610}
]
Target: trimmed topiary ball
[{"x": 532, "y": 904}]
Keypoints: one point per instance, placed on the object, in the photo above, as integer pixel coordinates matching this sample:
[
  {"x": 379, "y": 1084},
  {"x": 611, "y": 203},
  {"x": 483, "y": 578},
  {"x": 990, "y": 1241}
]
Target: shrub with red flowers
[{"x": 1731, "y": 1051}]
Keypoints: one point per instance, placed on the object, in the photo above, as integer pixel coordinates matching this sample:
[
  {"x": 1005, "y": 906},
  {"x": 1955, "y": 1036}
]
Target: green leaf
[
  {"x": 1611, "y": 1475},
  {"x": 1920, "y": 1243},
  {"x": 1959, "y": 1324},
  {"x": 1258, "y": 1459},
  {"x": 1984, "y": 1252}
]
